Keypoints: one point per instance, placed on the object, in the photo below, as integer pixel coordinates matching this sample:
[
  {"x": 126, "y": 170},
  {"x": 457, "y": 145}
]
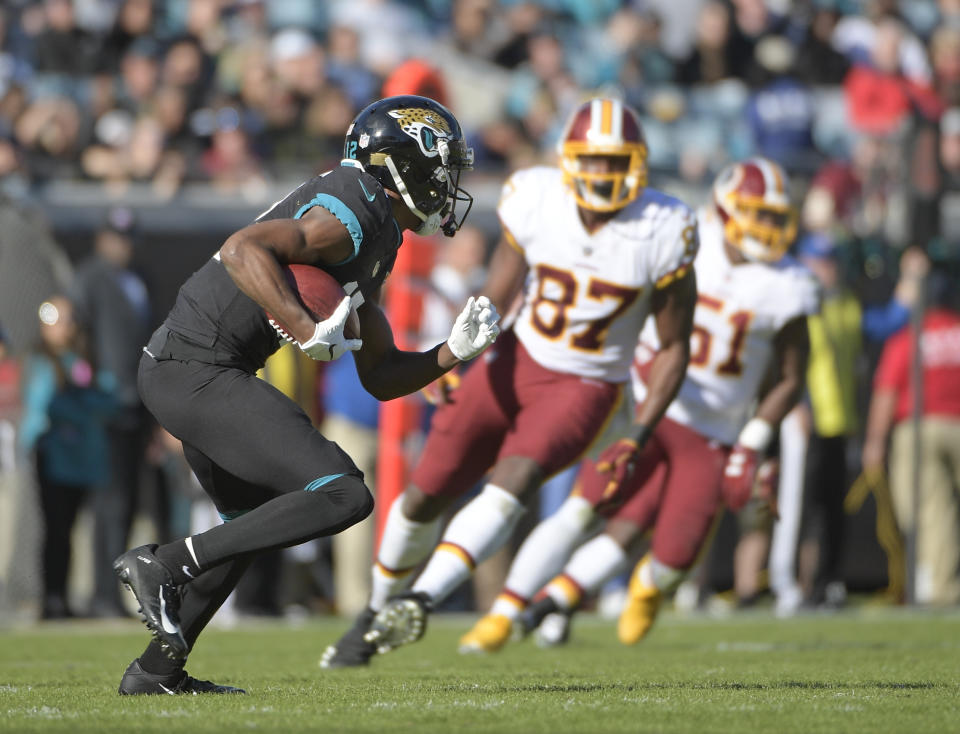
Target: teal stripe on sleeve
[
  {"x": 342, "y": 212},
  {"x": 320, "y": 481}
]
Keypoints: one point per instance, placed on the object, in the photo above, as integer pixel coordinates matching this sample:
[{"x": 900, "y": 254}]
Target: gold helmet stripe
[
  {"x": 606, "y": 119},
  {"x": 772, "y": 180},
  {"x": 778, "y": 177},
  {"x": 596, "y": 110}
]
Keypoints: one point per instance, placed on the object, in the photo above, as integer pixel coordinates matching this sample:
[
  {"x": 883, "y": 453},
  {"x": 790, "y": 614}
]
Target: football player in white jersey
[
  {"x": 749, "y": 332},
  {"x": 593, "y": 252}
]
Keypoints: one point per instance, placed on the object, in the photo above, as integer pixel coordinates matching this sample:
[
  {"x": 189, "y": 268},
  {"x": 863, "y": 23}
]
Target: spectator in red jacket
[
  {"x": 891, "y": 408},
  {"x": 882, "y": 94}
]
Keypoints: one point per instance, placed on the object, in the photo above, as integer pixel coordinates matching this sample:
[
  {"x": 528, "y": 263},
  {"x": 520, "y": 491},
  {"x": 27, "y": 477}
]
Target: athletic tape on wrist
[{"x": 756, "y": 435}]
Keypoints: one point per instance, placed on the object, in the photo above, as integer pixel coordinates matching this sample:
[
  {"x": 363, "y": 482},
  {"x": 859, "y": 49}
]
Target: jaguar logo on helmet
[
  {"x": 610, "y": 128},
  {"x": 752, "y": 199},
  {"x": 428, "y": 129}
]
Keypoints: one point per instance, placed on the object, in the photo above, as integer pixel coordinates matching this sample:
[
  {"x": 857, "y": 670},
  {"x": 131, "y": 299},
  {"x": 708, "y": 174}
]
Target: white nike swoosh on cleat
[
  {"x": 166, "y": 689},
  {"x": 165, "y": 622}
]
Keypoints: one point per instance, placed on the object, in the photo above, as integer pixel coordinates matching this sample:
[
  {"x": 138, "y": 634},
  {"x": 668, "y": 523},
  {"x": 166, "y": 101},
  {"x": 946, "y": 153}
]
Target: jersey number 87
[{"x": 549, "y": 315}]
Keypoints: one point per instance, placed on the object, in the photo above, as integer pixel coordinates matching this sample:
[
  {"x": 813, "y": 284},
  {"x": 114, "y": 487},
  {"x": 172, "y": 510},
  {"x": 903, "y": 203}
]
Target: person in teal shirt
[{"x": 65, "y": 407}]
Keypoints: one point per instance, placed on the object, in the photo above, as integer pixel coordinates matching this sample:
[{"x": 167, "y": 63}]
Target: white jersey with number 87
[{"x": 588, "y": 295}]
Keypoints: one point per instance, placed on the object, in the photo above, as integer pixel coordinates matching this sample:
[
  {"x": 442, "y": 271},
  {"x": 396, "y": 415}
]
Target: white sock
[
  {"x": 472, "y": 536},
  {"x": 508, "y": 605},
  {"x": 542, "y": 555},
  {"x": 594, "y": 563},
  {"x": 405, "y": 544},
  {"x": 653, "y": 573}
]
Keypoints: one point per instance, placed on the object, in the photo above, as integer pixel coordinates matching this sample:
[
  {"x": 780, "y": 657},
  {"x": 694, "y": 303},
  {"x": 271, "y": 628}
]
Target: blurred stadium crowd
[
  {"x": 236, "y": 92},
  {"x": 858, "y": 99}
]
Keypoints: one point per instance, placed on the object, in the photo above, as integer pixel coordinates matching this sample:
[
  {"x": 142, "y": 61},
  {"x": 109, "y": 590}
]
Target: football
[{"x": 319, "y": 293}]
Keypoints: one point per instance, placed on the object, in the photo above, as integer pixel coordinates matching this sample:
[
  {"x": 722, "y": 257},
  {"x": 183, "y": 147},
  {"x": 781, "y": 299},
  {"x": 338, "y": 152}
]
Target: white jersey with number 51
[
  {"x": 588, "y": 295},
  {"x": 740, "y": 309}
]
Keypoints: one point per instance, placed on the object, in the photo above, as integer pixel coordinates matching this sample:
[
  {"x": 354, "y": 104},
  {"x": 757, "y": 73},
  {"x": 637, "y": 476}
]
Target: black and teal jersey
[
  {"x": 357, "y": 199},
  {"x": 212, "y": 312}
]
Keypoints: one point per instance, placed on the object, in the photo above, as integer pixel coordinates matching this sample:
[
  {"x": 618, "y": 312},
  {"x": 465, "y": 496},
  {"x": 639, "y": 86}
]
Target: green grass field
[{"x": 860, "y": 671}]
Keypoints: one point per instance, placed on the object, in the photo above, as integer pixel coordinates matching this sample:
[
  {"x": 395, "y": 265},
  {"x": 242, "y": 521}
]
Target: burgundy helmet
[{"x": 604, "y": 127}]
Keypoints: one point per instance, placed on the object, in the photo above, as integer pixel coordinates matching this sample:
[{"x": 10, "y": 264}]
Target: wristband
[
  {"x": 639, "y": 434},
  {"x": 756, "y": 435}
]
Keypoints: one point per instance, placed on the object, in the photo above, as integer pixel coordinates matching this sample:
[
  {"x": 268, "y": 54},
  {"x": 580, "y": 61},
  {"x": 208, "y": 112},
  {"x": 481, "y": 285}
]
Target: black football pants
[{"x": 267, "y": 469}]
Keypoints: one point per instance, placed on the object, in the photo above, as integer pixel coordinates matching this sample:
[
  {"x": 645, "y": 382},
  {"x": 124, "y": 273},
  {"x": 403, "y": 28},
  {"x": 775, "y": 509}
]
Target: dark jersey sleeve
[
  {"x": 358, "y": 201},
  {"x": 213, "y": 313}
]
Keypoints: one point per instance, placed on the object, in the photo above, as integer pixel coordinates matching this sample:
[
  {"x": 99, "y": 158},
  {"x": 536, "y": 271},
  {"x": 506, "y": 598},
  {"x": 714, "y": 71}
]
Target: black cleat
[
  {"x": 552, "y": 624},
  {"x": 403, "y": 620},
  {"x": 158, "y": 596},
  {"x": 351, "y": 650},
  {"x": 138, "y": 682},
  {"x": 554, "y": 630},
  {"x": 533, "y": 615}
]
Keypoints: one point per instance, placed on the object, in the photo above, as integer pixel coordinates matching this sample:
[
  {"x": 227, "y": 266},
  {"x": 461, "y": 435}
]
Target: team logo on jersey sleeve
[{"x": 429, "y": 129}]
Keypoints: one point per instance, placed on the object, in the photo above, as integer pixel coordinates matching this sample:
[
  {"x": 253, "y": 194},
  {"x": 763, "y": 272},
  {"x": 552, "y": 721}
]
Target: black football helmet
[{"x": 414, "y": 146}]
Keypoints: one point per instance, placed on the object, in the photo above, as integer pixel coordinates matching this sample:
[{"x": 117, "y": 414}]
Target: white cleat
[{"x": 553, "y": 631}]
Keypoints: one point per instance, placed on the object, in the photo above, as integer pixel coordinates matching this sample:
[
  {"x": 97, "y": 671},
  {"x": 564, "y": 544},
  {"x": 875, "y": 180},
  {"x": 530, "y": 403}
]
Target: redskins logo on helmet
[
  {"x": 753, "y": 201},
  {"x": 604, "y": 127}
]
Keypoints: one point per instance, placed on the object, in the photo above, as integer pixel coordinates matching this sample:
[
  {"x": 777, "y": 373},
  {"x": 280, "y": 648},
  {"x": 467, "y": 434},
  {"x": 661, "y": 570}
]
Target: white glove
[
  {"x": 475, "y": 329},
  {"x": 328, "y": 342}
]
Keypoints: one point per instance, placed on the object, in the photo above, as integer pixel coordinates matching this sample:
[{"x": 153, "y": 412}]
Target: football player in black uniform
[{"x": 274, "y": 478}]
